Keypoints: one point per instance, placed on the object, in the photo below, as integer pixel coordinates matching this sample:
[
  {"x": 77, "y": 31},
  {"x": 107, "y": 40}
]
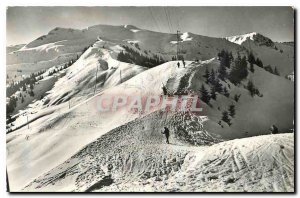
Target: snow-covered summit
[
  {"x": 255, "y": 37},
  {"x": 186, "y": 36},
  {"x": 239, "y": 39}
]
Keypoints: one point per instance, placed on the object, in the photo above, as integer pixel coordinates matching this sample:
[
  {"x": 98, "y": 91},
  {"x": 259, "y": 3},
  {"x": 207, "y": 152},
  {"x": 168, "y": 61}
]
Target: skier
[
  {"x": 183, "y": 63},
  {"x": 167, "y": 134},
  {"x": 178, "y": 64},
  {"x": 273, "y": 129}
]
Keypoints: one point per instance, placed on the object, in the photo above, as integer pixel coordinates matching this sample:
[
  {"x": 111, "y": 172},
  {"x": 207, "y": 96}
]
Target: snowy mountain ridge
[
  {"x": 257, "y": 38},
  {"x": 239, "y": 39},
  {"x": 66, "y": 44}
]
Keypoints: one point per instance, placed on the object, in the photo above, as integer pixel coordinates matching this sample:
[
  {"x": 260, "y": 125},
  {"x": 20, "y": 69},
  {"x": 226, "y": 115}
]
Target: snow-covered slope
[
  {"x": 78, "y": 82},
  {"x": 81, "y": 124},
  {"x": 134, "y": 163},
  {"x": 80, "y": 79}
]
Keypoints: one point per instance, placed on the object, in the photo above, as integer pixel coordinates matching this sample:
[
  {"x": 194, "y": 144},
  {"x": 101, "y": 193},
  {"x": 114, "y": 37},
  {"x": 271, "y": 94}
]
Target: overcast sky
[{"x": 25, "y": 24}]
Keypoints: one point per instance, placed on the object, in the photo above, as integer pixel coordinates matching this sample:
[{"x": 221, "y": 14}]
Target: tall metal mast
[{"x": 178, "y": 32}]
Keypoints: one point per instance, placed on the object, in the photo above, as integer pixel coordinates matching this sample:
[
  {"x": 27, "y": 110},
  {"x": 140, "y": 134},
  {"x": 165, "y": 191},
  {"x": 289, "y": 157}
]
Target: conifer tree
[
  {"x": 252, "y": 67},
  {"x": 226, "y": 93},
  {"x": 213, "y": 94},
  {"x": 234, "y": 72},
  {"x": 251, "y": 58},
  {"x": 259, "y": 63},
  {"x": 237, "y": 97},
  {"x": 225, "y": 117},
  {"x": 231, "y": 110},
  {"x": 239, "y": 70},
  {"x": 222, "y": 71},
  {"x": 251, "y": 88},
  {"x": 206, "y": 75},
  {"x": 212, "y": 77},
  {"x": 243, "y": 69},
  {"x": 225, "y": 60},
  {"x": 218, "y": 86},
  {"x": 204, "y": 95},
  {"x": 231, "y": 57},
  {"x": 276, "y": 72}
]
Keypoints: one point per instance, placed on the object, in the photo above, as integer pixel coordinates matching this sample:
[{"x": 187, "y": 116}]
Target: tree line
[
  {"x": 130, "y": 55},
  {"x": 24, "y": 84}
]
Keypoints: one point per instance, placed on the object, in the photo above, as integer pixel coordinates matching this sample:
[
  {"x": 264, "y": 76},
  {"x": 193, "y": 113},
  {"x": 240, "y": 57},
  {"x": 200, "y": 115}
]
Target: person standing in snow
[
  {"x": 178, "y": 64},
  {"x": 167, "y": 134},
  {"x": 183, "y": 63},
  {"x": 273, "y": 129}
]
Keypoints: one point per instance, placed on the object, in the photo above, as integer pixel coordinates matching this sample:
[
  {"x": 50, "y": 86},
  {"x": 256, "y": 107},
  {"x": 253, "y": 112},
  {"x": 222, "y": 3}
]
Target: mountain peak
[
  {"x": 257, "y": 38},
  {"x": 239, "y": 39}
]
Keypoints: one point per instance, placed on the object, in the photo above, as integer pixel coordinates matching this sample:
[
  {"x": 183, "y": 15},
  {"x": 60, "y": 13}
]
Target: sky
[{"x": 25, "y": 24}]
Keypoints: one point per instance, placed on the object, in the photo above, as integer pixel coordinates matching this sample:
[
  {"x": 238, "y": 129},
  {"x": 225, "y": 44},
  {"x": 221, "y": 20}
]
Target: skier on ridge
[{"x": 167, "y": 134}]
